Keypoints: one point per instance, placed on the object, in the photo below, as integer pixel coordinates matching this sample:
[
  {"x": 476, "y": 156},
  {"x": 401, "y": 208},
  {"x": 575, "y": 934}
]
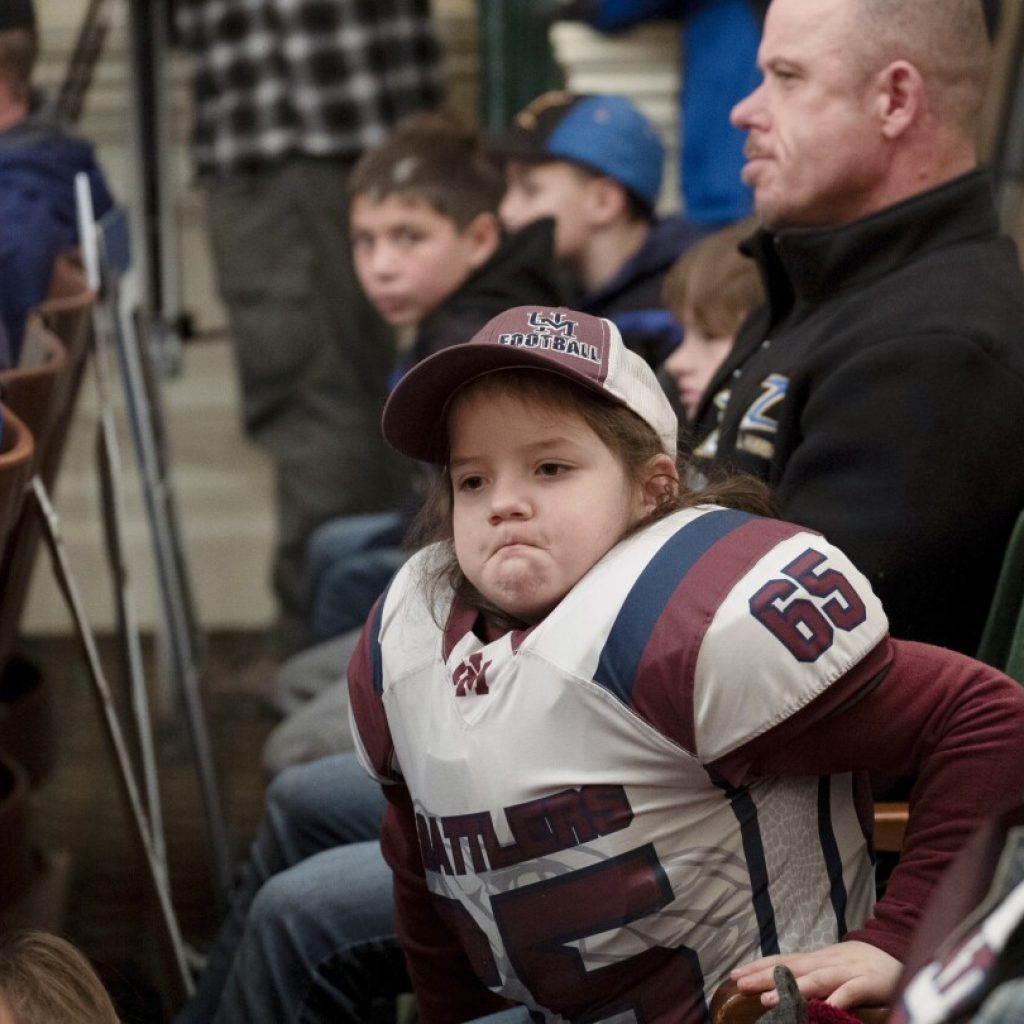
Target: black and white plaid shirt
[{"x": 274, "y": 78}]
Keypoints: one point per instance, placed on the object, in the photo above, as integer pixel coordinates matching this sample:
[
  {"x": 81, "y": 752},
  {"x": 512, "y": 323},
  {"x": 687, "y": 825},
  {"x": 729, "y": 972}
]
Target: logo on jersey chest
[
  {"x": 760, "y": 422},
  {"x": 554, "y": 332},
  {"x": 471, "y": 675}
]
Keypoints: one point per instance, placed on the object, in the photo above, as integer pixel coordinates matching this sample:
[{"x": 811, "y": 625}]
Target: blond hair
[
  {"x": 714, "y": 283},
  {"x": 45, "y": 980}
]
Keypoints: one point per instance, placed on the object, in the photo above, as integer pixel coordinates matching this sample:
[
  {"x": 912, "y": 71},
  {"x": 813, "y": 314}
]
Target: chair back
[
  {"x": 43, "y": 389},
  {"x": 1002, "y": 642},
  {"x": 16, "y": 452},
  {"x": 29, "y": 388}
]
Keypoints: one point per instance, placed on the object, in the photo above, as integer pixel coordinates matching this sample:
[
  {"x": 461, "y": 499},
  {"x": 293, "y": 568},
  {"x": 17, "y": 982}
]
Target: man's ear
[
  {"x": 899, "y": 98},
  {"x": 483, "y": 235},
  {"x": 660, "y": 481}
]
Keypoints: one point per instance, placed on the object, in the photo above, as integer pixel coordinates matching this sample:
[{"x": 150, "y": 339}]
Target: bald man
[{"x": 880, "y": 390}]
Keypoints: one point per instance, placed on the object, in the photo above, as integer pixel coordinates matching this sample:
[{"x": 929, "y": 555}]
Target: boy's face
[
  {"x": 409, "y": 258},
  {"x": 538, "y": 498},
  {"x": 555, "y": 189},
  {"x": 692, "y": 365}
]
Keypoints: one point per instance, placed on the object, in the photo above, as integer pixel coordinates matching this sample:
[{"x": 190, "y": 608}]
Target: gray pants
[{"x": 313, "y": 356}]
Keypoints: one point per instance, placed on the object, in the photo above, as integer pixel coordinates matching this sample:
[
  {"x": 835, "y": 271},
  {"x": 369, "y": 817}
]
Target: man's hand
[{"x": 844, "y": 975}]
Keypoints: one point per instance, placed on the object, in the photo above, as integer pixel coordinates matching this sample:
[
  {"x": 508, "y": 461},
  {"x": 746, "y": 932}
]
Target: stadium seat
[
  {"x": 42, "y": 391},
  {"x": 16, "y": 452},
  {"x": 1002, "y": 642}
]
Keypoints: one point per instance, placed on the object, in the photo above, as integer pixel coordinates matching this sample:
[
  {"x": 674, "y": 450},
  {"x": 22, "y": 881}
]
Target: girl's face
[{"x": 538, "y": 498}]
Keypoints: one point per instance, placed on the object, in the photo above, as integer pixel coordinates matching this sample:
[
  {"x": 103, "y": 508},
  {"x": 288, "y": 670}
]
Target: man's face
[
  {"x": 408, "y": 257},
  {"x": 814, "y": 152},
  {"x": 554, "y": 189}
]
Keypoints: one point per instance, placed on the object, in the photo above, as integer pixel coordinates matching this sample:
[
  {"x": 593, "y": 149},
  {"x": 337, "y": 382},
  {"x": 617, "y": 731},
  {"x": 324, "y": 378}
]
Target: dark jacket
[
  {"x": 632, "y": 298},
  {"x": 880, "y": 393},
  {"x": 38, "y": 164},
  {"x": 521, "y": 272}
]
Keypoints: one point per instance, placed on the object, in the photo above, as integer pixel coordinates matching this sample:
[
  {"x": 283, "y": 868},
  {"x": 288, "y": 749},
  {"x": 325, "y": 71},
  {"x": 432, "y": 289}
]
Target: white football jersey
[{"x": 577, "y": 798}]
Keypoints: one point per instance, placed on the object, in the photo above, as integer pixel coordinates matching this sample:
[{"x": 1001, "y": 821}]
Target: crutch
[
  {"x": 69, "y": 588},
  {"x": 108, "y": 458},
  {"x": 105, "y": 248}
]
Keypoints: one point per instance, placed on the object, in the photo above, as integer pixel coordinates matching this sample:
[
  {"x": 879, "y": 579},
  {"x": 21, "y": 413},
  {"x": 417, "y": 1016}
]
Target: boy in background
[
  {"x": 594, "y": 164},
  {"x": 709, "y": 290}
]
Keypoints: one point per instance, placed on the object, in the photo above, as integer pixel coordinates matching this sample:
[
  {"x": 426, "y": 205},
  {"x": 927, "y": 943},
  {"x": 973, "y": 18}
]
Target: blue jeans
[
  {"x": 310, "y": 935},
  {"x": 349, "y": 563}
]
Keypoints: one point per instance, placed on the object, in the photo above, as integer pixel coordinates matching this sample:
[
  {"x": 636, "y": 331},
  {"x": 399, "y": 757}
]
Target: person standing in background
[
  {"x": 288, "y": 93},
  {"x": 38, "y": 164},
  {"x": 718, "y": 56}
]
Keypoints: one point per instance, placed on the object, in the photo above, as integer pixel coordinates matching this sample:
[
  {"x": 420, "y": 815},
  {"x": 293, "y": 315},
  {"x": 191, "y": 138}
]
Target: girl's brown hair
[
  {"x": 45, "y": 980},
  {"x": 633, "y": 442}
]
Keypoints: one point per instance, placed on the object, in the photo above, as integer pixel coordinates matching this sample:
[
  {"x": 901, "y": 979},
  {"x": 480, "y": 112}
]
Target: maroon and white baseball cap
[{"x": 583, "y": 348}]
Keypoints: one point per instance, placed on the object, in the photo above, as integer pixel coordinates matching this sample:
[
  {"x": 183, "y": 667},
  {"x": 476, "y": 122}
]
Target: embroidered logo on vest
[{"x": 470, "y": 675}]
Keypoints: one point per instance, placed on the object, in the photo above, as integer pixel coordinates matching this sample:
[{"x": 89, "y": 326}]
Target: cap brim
[{"x": 414, "y": 420}]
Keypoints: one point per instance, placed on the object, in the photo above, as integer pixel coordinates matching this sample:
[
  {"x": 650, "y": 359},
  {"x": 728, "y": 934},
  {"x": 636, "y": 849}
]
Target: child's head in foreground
[
  {"x": 557, "y": 441},
  {"x": 709, "y": 290},
  {"x": 45, "y": 980},
  {"x": 423, "y": 215}
]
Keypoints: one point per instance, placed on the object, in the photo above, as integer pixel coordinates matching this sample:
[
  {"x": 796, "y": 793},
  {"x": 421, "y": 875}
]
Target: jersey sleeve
[
  {"x": 955, "y": 723},
  {"x": 779, "y": 634}
]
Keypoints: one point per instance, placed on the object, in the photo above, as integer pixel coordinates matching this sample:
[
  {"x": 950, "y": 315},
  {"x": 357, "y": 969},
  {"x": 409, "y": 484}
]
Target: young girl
[{"x": 622, "y": 729}]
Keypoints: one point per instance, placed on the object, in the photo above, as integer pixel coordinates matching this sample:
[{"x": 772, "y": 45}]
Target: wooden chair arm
[{"x": 890, "y": 824}]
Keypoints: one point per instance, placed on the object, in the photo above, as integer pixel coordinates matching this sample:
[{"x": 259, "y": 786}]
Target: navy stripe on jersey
[
  {"x": 376, "y": 659},
  {"x": 745, "y": 809},
  {"x": 627, "y": 640},
  {"x": 830, "y": 849}
]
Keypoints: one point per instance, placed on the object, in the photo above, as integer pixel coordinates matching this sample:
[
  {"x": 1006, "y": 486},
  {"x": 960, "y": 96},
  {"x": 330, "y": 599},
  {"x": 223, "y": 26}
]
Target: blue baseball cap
[{"x": 604, "y": 132}]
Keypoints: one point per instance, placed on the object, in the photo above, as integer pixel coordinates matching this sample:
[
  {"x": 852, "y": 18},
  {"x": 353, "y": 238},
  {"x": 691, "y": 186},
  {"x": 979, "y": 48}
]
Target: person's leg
[
  {"x": 348, "y": 535},
  {"x": 320, "y": 944},
  {"x": 307, "y": 674},
  {"x": 349, "y": 587},
  {"x": 316, "y": 729},
  {"x": 310, "y": 808},
  {"x": 313, "y": 357}
]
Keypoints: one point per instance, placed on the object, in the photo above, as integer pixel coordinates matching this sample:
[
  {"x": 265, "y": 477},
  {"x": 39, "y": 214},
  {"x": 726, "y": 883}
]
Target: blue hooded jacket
[{"x": 38, "y": 164}]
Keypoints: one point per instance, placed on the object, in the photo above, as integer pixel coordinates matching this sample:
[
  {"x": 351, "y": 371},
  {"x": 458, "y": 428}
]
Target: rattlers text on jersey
[{"x": 584, "y": 807}]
